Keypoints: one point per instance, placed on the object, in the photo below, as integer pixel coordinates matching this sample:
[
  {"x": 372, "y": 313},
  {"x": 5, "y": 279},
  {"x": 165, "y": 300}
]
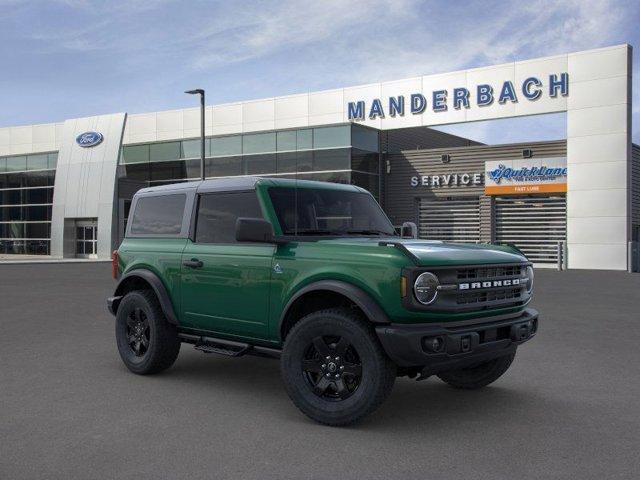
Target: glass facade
[
  {"x": 26, "y": 198},
  {"x": 343, "y": 153}
]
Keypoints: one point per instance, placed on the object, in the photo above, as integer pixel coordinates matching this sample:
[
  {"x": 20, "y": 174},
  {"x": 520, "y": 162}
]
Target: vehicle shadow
[{"x": 411, "y": 405}]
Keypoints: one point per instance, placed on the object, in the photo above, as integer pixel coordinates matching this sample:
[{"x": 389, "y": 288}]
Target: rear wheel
[
  {"x": 334, "y": 368},
  {"x": 147, "y": 342},
  {"x": 480, "y": 375}
]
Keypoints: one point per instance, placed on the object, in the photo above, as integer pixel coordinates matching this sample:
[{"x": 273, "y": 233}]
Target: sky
[{"x": 74, "y": 58}]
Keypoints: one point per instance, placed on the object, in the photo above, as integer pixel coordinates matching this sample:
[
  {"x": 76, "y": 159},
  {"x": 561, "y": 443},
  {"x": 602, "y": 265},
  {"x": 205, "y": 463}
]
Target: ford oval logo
[{"x": 89, "y": 139}]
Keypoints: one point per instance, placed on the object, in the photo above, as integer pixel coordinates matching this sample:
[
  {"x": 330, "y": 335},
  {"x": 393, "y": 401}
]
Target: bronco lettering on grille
[{"x": 489, "y": 284}]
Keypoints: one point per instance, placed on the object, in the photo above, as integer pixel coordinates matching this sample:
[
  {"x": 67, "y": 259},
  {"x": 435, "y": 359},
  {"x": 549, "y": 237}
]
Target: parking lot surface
[{"x": 567, "y": 408}]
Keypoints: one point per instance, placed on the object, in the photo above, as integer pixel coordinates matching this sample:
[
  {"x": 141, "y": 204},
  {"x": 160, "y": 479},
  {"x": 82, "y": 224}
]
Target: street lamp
[{"x": 200, "y": 91}]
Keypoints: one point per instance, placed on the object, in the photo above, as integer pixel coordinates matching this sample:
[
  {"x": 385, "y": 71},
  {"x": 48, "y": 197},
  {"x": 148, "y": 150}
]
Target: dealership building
[{"x": 66, "y": 188}]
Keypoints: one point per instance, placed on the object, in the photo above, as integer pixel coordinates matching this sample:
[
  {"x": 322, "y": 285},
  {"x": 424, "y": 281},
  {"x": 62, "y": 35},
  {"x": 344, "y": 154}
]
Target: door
[
  {"x": 534, "y": 224},
  {"x": 225, "y": 284},
  {"x": 452, "y": 219},
  {"x": 86, "y": 239}
]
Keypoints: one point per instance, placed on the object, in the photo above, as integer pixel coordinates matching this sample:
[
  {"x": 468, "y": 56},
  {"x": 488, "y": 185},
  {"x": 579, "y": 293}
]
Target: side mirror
[
  {"x": 409, "y": 230},
  {"x": 254, "y": 230}
]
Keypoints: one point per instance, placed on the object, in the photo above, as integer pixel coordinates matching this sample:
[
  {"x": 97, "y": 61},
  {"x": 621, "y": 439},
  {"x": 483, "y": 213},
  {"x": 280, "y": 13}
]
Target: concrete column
[{"x": 599, "y": 158}]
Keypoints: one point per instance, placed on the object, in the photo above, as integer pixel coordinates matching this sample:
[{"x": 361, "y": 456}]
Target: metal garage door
[
  {"x": 534, "y": 224},
  {"x": 453, "y": 219}
]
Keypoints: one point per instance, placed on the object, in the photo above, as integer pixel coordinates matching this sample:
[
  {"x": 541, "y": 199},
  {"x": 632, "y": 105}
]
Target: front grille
[
  {"x": 475, "y": 288},
  {"x": 484, "y": 273},
  {"x": 468, "y": 298}
]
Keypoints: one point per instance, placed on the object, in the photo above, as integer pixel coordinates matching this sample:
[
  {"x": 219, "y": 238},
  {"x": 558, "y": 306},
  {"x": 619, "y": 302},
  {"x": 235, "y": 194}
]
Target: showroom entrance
[{"x": 87, "y": 238}]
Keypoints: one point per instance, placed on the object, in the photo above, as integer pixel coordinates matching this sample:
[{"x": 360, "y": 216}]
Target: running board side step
[{"x": 229, "y": 348}]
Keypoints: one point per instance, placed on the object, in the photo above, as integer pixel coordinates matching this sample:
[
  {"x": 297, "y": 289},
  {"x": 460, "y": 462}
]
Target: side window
[
  {"x": 158, "y": 215},
  {"x": 218, "y": 212}
]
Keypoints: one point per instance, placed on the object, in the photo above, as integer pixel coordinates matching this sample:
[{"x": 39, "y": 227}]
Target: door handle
[{"x": 193, "y": 263}]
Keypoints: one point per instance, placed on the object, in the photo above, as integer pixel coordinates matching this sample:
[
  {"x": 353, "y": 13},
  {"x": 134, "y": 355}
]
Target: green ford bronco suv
[{"x": 314, "y": 274}]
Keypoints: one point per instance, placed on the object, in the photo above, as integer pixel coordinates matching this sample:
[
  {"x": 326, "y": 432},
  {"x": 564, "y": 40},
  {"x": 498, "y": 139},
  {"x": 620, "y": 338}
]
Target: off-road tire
[
  {"x": 162, "y": 337},
  {"x": 377, "y": 376},
  {"x": 478, "y": 376}
]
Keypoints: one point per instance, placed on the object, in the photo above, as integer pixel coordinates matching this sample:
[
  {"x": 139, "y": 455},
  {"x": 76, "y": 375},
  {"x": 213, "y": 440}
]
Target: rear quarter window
[{"x": 158, "y": 215}]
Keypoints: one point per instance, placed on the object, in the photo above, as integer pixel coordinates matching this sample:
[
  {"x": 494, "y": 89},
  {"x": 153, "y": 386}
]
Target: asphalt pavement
[{"x": 569, "y": 407}]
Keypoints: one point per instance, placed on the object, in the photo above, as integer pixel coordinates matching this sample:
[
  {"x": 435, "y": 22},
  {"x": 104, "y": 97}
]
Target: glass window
[
  {"x": 364, "y": 138},
  {"x": 338, "y": 159},
  {"x": 286, "y": 141},
  {"x": 328, "y": 137},
  {"x": 37, "y": 162},
  {"x": 162, "y": 152},
  {"x": 52, "y": 160},
  {"x": 168, "y": 170},
  {"x": 38, "y": 230},
  {"x": 37, "y": 247},
  {"x": 325, "y": 211},
  {"x": 259, "y": 143},
  {"x": 139, "y": 172},
  {"x": 192, "y": 168},
  {"x": 223, "y": 166},
  {"x": 158, "y": 215},
  {"x": 304, "y": 139},
  {"x": 191, "y": 148},
  {"x": 260, "y": 164},
  {"x": 135, "y": 154},
  {"x": 16, "y": 164},
  {"x": 223, "y": 146},
  {"x": 287, "y": 162},
  {"x": 364, "y": 161},
  {"x": 218, "y": 212}
]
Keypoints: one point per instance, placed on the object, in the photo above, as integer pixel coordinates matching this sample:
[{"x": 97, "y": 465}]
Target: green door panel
[{"x": 230, "y": 292}]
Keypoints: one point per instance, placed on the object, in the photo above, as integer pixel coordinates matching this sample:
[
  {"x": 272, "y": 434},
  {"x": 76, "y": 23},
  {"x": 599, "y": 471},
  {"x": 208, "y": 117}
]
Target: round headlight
[
  {"x": 426, "y": 288},
  {"x": 529, "y": 279}
]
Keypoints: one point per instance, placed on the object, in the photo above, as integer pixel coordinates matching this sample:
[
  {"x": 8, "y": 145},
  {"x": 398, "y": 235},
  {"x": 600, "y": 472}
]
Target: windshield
[{"x": 323, "y": 211}]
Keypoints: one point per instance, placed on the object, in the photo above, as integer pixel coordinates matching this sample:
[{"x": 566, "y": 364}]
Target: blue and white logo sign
[{"x": 89, "y": 139}]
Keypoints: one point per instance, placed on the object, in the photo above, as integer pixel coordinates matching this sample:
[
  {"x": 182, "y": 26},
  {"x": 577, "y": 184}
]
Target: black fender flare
[
  {"x": 157, "y": 286},
  {"x": 362, "y": 299}
]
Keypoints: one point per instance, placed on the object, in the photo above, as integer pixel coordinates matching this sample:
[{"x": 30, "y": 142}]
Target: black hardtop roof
[{"x": 242, "y": 183}]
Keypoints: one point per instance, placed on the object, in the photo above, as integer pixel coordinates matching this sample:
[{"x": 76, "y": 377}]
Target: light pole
[{"x": 200, "y": 92}]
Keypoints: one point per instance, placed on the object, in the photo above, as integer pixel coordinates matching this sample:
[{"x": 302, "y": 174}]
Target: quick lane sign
[
  {"x": 542, "y": 175},
  {"x": 482, "y": 95}
]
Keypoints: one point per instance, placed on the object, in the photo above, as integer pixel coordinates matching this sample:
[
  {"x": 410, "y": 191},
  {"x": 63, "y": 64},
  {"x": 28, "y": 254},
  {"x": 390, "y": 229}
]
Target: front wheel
[
  {"x": 478, "y": 376},
  {"x": 334, "y": 368}
]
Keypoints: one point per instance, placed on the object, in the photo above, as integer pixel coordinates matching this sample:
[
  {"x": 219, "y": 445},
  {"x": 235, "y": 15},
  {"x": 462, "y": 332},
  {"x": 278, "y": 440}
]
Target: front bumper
[{"x": 461, "y": 344}]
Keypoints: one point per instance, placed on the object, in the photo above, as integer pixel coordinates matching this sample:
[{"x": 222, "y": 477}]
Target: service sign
[{"x": 523, "y": 176}]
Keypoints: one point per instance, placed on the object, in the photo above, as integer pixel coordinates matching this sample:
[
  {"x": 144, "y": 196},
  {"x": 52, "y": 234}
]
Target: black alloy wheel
[
  {"x": 138, "y": 332},
  {"x": 332, "y": 368},
  {"x": 146, "y": 341}
]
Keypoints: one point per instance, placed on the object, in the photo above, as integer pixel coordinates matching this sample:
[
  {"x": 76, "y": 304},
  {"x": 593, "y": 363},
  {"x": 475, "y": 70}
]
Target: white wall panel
[
  {"x": 599, "y": 63},
  {"x": 600, "y": 175},
  {"x": 394, "y": 89},
  {"x": 597, "y": 120},
  {"x": 295, "y": 106},
  {"x": 597, "y": 148},
  {"x": 612, "y": 256},
  {"x": 596, "y": 203}
]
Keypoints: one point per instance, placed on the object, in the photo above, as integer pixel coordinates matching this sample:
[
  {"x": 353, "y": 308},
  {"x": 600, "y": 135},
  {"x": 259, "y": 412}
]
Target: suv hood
[{"x": 437, "y": 253}]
